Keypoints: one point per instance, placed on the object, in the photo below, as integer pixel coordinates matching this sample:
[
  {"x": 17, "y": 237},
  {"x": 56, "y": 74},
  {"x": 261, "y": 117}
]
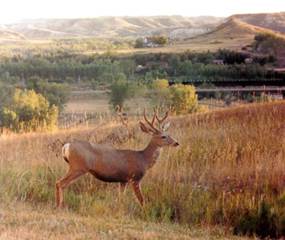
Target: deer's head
[{"x": 159, "y": 134}]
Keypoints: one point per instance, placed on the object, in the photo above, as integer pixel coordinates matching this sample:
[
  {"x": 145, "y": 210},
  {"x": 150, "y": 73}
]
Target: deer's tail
[{"x": 66, "y": 151}]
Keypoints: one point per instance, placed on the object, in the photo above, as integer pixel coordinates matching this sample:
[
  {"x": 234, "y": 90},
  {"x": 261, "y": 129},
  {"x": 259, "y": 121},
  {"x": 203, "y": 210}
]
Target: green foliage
[
  {"x": 191, "y": 66},
  {"x": 262, "y": 222},
  {"x": 28, "y": 111},
  {"x": 160, "y": 84},
  {"x": 119, "y": 93},
  {"x": 231, "y": 57},
  {"x": 160, "y": 94},
  {"x": 56, "y": 93},
  {"x": 158, "y": 39},
  {"x": 269, "y": 43},
  {"x": 263, "y": 98},
  {"x": 139, "y": 43},
  {"x": 183, "y": 98}
]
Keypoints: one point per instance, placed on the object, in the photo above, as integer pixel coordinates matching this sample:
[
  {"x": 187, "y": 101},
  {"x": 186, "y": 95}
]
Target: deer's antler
[
  {"x": 161, "y": 120},
  {"x": 151, "y": 124}
]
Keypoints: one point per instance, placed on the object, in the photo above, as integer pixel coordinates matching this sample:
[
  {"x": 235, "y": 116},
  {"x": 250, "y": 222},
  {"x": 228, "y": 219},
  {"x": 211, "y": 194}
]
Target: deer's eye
[{"x": 163, "y": 137}]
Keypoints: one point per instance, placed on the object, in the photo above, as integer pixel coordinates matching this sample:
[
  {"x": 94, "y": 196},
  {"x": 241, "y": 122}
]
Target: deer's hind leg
[{"x": 65, "y": 182}]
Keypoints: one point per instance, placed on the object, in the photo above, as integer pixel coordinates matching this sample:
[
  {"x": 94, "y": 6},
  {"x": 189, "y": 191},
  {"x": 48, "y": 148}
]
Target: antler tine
[
  {"x": 151, "y": 124},
  {"x": 160, "y": 121},
  {"x": 154, "y": 117}
]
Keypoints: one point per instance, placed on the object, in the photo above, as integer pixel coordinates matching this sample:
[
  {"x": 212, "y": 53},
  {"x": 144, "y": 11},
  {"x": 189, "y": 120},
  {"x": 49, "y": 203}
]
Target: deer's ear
[
  {"x": 144, "y": 128},
  {"x": 166, "y": 126}
]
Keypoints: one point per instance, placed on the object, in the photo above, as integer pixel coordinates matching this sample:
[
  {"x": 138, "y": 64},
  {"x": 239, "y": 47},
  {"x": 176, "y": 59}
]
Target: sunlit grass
[{"x": 229, "y": 162}]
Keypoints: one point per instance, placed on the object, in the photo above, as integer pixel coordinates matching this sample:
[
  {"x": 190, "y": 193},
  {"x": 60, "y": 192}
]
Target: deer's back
[{"x": 107, "y": 163}]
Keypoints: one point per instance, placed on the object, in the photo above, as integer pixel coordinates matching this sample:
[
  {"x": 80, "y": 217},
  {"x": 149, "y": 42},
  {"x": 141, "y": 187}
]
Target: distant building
[
  {"x": 248, "y": 60},
  {"x": 140, "y": 68}
]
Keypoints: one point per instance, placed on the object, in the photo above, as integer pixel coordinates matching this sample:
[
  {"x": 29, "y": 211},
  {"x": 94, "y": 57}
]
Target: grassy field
[
  {"x": 199, "y": 44},
  {"x": 229, "y": 162},
  {"x": 23, "y": 221}
]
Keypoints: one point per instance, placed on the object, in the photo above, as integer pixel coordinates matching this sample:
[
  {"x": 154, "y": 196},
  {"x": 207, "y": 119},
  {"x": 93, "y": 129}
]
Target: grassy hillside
[
  {"x": 229, "y": 162},
  {"x": 6, "y": 35},
  {"x": 110, "y": 27},
  {"x": 97, "y": 35},
  {"x": 273, "y": 21},
  {"x": 235, "y": 29}
]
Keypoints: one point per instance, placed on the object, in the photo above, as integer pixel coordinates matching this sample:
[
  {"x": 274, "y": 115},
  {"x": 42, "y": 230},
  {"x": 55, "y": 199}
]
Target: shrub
[
  {"x": 261, "y": 222},
  {"x": 183, "y": 98},
  {"x": 160, "y": 84},
  {"x": 161, "y": 93},
  {"x": 28, "y": 111},
  {"x": 269, "y": 43},
  {"x": 56, "y": 93},
  {"x": 139, "y": 43},
  {"x": 119, "y": 93}
]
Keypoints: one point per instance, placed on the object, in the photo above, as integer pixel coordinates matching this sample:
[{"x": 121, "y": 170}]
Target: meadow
[{"x": 228, "y": 171}]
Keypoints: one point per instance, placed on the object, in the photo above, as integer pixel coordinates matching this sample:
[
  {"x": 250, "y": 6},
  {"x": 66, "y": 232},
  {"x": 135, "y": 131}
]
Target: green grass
[{"x": 23, "y": 221}]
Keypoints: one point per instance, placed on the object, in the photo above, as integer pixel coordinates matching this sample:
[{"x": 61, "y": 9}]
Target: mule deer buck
[{"x": 113, "y": 165}]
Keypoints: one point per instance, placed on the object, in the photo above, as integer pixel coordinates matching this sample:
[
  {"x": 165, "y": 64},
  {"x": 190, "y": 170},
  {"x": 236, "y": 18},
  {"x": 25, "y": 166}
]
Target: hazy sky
[{"x": 13, "y": 10}]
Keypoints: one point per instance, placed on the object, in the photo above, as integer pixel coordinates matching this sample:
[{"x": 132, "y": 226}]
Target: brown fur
[{"x": 112, "y": 165}]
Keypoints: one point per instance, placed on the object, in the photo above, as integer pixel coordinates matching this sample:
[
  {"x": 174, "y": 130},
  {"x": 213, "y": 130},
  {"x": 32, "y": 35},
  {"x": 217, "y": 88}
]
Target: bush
[
  {"x": 160, "y": 84},
  {"x": 56, "y": 93},
  {"x": 28, "y": 111},
  {"x": 139, "y": 43},
  {"x": 158, "y": 39},
  {"x": 119, "y": 93},
  {"x": 161, "y": 93},
  {"x": 269, "y": 43},
  {"x": 183, "y": 98},
  {"x": 262, "y": 222}
]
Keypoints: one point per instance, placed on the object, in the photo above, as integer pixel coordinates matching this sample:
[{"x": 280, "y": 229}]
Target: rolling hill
[
  {"x": 176, "y": 27},
  {"x": 8, "y": 35},
  {"x": 273, "y": 21},
  {"x": 111, "y": 27},
  {"x": 240, "y": 30},
  {"x": 195, "y": 33},
  {"x": 236, "y": 28}
]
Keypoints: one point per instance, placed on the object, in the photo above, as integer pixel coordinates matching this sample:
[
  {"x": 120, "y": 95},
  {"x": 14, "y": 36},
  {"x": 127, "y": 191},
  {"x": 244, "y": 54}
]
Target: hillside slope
[
  {"x": 272, "y": 21},
  {"x": 232, "y": 33},
  {"x": 6, "y": 34},
  {"x": 109, "y": 27}
]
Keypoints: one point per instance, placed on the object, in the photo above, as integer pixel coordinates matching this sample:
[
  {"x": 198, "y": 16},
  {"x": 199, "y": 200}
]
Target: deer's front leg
[
  {"x": 137, "y": 190},
  {"x": 63, "y": 183}
]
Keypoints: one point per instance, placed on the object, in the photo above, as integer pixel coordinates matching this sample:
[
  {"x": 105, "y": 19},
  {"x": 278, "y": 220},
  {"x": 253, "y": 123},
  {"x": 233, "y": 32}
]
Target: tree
[
  {"x": 158, "y": 39},
  {"x": 28, "y": 111},
  {"x": 183, "y": 98},
  {"x": 160, "y": 95},
  {"x": 56, "y": 93},
  {"x": 119, "y": 93},
  {"x": 139, "y": 43}
]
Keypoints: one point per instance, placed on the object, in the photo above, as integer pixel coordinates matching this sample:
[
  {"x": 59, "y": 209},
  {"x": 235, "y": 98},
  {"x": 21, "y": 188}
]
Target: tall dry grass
[{"x": 228, "y": 163}]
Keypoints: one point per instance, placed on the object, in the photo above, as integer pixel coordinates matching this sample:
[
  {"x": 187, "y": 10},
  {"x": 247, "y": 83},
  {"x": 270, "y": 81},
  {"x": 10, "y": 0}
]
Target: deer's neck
[{"x": 151, "y": 153}]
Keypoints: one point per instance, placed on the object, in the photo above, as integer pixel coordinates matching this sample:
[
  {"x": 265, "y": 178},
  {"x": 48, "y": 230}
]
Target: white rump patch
[{"x": 65, "y": 150}]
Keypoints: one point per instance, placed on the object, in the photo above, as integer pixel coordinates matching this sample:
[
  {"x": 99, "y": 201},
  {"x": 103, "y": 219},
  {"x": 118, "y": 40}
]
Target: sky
[{"x": 15, "y": 10}]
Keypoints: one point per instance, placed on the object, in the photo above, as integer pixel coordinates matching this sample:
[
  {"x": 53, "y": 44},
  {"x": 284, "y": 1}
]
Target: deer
[{"x": 108, "y": 164}]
